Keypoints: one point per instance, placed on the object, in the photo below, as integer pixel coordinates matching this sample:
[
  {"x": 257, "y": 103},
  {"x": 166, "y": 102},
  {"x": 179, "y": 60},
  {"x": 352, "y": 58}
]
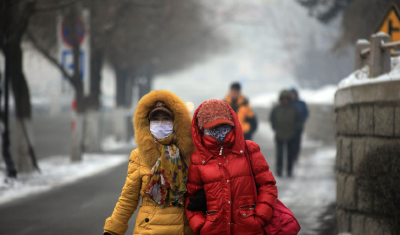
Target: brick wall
[{"x": 362, "y": 124}]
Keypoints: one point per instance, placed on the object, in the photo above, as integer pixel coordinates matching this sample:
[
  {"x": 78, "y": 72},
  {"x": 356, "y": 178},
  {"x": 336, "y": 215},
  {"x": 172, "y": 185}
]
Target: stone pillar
[
  {"x": 359, "y": 60},
  {"x": 380, "y": 60}
]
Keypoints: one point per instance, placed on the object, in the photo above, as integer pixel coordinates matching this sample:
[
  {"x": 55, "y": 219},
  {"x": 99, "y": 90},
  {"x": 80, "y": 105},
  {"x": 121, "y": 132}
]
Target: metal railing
[{"x": 376, "y": 53}]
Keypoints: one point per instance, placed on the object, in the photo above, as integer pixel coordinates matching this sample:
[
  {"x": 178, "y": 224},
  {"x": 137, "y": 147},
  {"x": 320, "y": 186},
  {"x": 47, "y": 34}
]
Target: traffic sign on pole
[
  {"x": 390, "y": 23},
  {"x": 65, "y": 49}
]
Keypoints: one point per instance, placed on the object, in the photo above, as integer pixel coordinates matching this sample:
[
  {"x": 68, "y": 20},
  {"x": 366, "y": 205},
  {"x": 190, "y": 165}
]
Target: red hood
[{"x": 201, "y": 152}]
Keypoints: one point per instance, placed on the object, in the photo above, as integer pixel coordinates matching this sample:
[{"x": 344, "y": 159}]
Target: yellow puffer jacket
[{"x": 151, "y": 219}]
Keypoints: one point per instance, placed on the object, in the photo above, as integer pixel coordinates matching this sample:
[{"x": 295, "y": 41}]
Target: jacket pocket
[
  {"x": 247, "y": 211},
  {"x": 213, "y": 219},
  {"x": 145, "y": 215},
  {"x": 246, "y": 220}
]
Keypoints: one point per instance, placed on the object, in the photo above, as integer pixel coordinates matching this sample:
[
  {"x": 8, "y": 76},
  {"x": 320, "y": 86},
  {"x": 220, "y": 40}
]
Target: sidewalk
[
  {"x": 312, "y": 188},
  {"x": 58, "y": 170}
]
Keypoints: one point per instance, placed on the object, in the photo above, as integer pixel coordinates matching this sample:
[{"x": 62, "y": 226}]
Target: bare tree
[
  {"x": 15, "y": 16},
  {"x": 361, "y": 19},
  {"x": 325, "y": 10}
]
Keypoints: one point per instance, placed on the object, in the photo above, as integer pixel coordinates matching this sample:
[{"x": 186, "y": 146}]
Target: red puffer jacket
[{"x": 223, "y": 172}]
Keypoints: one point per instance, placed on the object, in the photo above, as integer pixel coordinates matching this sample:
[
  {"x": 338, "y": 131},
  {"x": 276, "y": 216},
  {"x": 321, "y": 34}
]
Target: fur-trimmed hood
[{"x": 148, "y": 152}]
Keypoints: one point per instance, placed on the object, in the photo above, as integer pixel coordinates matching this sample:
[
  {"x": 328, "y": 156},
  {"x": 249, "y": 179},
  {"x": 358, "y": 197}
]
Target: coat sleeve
[
  {"x": 251, "y": 119},
  {"x": 117, "y": 224},
  {"x": 196, "y": 218},
  {"x": 298, "y": 120},
  {"x": 265, "y": 181},
  {"x": 272, "y": 118},
  {"x": 305, "y": 111}
]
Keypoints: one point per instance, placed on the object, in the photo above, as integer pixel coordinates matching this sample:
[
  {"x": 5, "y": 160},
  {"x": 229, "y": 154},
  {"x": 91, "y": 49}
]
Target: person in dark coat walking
[
  {"x": 302, "y": 106},
  {"x": 286, "y": 121}
]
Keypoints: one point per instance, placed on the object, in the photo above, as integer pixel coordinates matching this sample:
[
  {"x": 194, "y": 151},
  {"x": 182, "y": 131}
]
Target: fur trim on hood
[{"x": 148, "y": 153}]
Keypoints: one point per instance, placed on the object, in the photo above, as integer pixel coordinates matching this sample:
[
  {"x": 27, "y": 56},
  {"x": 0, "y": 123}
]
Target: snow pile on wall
[
  {"x": 361, "y": 76},
  {"x": 323, "y": 95}
]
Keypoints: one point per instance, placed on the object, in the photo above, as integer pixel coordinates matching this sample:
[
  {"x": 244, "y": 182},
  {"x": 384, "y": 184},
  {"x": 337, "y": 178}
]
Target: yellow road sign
[{"x": 390, "y": 24}]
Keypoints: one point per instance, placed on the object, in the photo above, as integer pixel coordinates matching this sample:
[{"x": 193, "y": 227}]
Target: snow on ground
[
  {"x": 361, "y": 76},
  {"x": 312, "y": 188},
  {"x": 55, "y": 171},
  {"x": 323, "y": 95},
  {"x": 110, "y": 143}
]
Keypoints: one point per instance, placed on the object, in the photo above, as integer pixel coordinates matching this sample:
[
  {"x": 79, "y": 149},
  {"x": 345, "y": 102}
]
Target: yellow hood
[{"x": 148, "y": 152}]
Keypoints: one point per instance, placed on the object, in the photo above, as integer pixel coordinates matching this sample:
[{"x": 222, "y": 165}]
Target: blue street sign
[{"x": 67, "y": 62}]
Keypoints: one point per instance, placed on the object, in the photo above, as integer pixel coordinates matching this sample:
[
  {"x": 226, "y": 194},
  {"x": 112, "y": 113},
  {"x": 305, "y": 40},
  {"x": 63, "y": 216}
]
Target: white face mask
[{"x": 161, "y": 129}]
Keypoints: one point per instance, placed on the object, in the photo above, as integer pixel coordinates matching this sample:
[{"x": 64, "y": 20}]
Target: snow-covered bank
[
  {"x": 55, "y": 171},
  {"x": 323, "y": 95},
  {"x": 110, "y": 143}
]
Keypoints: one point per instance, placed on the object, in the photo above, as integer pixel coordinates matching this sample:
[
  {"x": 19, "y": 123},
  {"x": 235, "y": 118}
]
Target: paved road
[
  {"x": 79, "y": 208},
  {"x": 82, "y": 207}
]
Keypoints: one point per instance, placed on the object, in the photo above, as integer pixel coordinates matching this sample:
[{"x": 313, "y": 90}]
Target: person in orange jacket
[{"x": 242, "y": 108}]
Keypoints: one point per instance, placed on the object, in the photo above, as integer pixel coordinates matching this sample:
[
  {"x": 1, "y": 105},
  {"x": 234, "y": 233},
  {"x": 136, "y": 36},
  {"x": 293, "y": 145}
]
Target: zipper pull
[{"x": 220, "y": 151}]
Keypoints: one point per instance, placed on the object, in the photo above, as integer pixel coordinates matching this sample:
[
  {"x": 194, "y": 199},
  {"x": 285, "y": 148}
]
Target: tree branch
[
  {"x": 155, "y": 6},
  {"x": 46, "y": 54},
  {"x": 56, "y": 6}
]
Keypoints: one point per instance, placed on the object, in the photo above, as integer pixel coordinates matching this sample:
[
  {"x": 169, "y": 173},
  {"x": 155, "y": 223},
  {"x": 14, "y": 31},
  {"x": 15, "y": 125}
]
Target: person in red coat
[{"x": 219, "y": 170}]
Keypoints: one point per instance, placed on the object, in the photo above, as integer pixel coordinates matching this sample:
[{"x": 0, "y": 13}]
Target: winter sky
[{"x": 267, "y": 40}]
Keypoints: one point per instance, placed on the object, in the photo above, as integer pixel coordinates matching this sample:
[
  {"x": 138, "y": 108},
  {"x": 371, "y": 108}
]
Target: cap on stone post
[
  {"x": 360, "y": 61},
  {"x": 380, "y": 60}
]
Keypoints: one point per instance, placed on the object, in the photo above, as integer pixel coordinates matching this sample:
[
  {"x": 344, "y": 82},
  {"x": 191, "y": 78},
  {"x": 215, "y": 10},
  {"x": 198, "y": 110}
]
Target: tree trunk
[
  {"x": 122, "y": 114},
  {"x": 23, "y": 112},
  {"x": 15, "y": 16},
  {"x": 18, "y": 83},
  {"x": 93, "y": 139},
  {"x": 120, "y": 93},
  {"x": 96, "y": 63}
]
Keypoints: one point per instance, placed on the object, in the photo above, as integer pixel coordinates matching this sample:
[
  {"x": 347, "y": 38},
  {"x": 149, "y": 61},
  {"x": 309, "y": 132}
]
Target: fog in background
[{"x": 271, "y": 45}]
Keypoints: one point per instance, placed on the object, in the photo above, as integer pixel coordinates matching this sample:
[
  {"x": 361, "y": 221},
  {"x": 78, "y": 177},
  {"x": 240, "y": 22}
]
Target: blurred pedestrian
[
  {"x": 302, "y": 106},
  {"x": 158, "y": 169},
  {"x": 286, "y": 121},
  {"x": 242, "y": 108},
  {"x": 220, "y": 172}
]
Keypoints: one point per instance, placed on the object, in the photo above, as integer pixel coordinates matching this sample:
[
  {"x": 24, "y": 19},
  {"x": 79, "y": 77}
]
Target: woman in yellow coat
[{"x": 158, "y": 168}]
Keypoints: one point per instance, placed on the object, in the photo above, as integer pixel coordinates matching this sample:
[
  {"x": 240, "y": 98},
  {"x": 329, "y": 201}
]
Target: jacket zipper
[{"x": 221, "y": 152}]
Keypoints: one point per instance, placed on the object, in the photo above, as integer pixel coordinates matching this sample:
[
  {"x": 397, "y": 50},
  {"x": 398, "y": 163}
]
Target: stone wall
[{"x": 366, "y": 116}]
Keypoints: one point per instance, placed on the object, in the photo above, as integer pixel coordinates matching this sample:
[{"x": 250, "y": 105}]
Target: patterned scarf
[
  {"x": 219, "y": 133},
  {"x": 168, "y": 177}
]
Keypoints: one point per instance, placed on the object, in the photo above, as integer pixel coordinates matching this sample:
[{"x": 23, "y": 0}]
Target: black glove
[{"x": 198, "y": 202}]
